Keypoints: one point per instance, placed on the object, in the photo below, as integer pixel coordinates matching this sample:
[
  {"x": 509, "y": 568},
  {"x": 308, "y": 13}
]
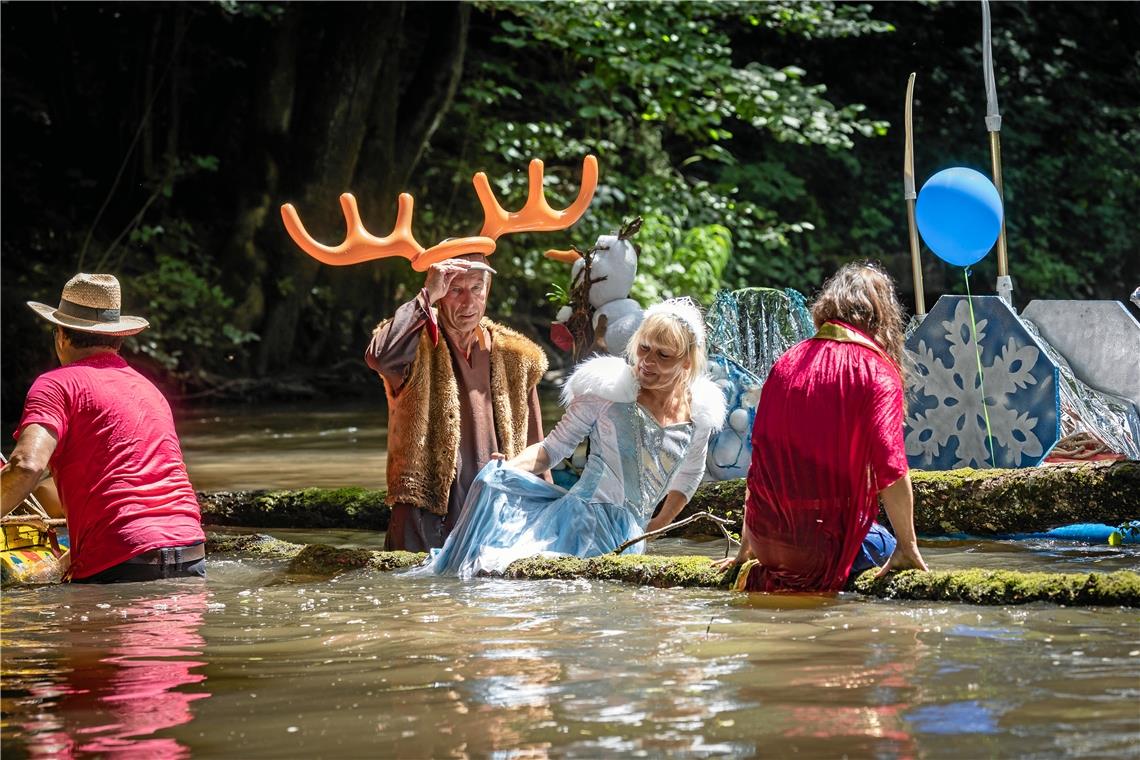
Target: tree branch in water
[{"x": 720, "y": 523}]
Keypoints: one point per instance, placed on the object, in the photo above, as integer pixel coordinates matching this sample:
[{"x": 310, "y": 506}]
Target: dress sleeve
[
  {"x": 888, "y": 447},
  {"x": 576, "y": 423},
  {"x": 46, "y": 405},
  {"x": 689, "y": 474}
]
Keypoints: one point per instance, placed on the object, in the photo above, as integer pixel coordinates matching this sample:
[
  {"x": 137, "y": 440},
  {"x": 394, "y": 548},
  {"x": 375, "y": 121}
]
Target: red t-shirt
[
  {"x": 828, "y": 437},
  {"x": 118, "y": 465}
]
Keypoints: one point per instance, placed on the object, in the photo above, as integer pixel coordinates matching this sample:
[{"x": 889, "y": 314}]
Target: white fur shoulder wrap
[{"x": 612, "y": 378}]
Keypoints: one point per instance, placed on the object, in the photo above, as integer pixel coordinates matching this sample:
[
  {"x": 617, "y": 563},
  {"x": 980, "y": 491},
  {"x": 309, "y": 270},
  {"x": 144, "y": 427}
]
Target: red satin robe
[{"x": 828, "y": 437}]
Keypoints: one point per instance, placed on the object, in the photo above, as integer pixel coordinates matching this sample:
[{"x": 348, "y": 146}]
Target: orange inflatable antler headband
[{"x": 360, "y": 245}]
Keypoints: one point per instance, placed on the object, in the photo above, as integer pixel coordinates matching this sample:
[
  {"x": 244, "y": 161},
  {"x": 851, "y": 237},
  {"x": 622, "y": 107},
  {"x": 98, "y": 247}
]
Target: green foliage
[
  {"x": 763, "y": 142},
  {"x": 1069, "y": 143},
  {"x": 660, "y": 93},
  {"x": 175, "y": 283},
  {"x": 674, "y": 262},
  {"x": 188, "y": 313}
]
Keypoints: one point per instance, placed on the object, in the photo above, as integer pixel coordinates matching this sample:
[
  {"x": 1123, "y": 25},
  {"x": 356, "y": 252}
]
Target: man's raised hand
[{"x": 439, "y": 276}]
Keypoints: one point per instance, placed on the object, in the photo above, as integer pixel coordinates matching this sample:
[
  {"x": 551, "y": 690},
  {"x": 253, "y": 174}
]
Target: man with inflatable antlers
[{"x": 460, "y": 387}]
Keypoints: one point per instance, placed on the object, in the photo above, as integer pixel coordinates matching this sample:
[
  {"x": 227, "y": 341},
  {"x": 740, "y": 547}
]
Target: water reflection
[
  {"x": 108, "y": 676},
  {"x": 374, "y": 664}
]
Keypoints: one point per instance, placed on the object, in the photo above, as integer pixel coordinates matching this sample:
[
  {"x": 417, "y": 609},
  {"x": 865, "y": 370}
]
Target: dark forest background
[{"x": 761, "y": 143}]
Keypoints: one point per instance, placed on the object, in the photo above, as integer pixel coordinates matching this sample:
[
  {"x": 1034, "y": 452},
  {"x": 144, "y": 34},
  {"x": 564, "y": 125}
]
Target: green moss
[
  {"x": 257, "y": 544},
  {"x": 642, "y": 570},
  {"x": 306, "y": 508},
  {"x": 1006, "y": 587},
  {"x": 983, "y": 502},
  {"x": 318, "y": 559}
]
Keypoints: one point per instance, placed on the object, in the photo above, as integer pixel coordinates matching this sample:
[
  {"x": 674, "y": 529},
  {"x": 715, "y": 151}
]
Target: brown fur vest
[{"x": 423, "y": 419}]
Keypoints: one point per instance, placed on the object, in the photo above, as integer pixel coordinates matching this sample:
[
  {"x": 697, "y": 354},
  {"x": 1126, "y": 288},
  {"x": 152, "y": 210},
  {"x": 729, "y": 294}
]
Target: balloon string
[{"x": 981, "y": 376}]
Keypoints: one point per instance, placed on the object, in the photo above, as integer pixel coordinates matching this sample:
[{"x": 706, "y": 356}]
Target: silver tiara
[{"x": 686, "y": 310}]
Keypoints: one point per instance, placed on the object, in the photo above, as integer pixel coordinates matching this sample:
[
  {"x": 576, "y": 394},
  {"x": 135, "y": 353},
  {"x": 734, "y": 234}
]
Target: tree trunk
[
  {"x": 417, "y": 84},
  {"x": 328, "y": 123},
  {"x": 258, "y": 198},
  {"x": 361, "y": 120}
]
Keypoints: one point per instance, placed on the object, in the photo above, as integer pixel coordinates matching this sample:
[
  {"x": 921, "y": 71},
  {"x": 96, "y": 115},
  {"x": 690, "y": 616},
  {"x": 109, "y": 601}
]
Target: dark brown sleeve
[
  {"x": 392, "y": 349},
  {"x": 534, "y": 419}
]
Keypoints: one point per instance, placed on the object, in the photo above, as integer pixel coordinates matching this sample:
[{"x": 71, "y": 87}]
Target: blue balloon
[{"x": 959, "y": 215}]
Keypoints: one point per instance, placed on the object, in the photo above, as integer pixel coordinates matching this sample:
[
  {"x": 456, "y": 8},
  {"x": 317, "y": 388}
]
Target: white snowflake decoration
[{"x": 958, "y": 392}]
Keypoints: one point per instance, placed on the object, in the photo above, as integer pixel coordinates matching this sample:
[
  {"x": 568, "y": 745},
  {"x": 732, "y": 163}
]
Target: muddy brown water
[{"x": 258, "y": 662}]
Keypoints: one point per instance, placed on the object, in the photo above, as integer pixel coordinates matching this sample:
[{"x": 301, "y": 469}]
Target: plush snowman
[{"x": 611, "y": 266}]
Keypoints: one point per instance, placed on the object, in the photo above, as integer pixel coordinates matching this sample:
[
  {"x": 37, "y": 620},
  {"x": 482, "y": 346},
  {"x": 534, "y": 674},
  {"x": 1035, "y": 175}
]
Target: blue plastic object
[
  {"x": 1092, "y": 533},
  {"x": 959, "y": 215}
]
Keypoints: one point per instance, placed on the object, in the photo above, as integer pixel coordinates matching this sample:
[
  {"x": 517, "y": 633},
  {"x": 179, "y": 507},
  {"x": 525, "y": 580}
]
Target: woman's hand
[
  {"x": 727, "y": 563},
  {"x": 904, "y": 557},
  {"x": 741, "y": 557}
]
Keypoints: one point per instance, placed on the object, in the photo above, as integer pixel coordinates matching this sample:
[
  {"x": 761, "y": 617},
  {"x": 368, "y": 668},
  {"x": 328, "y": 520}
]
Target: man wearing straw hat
[{"x": 108, "y": 435}]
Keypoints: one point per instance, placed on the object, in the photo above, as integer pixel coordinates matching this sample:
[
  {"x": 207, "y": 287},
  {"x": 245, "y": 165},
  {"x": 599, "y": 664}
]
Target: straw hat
[{"x": 90, "y": 303}]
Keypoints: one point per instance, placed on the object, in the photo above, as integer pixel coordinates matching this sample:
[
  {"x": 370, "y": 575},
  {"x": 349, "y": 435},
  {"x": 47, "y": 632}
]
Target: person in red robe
[{"x": 828, "y": 442}]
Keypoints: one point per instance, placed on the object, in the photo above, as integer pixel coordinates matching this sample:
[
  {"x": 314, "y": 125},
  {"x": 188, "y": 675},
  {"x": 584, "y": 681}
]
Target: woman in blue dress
[{"x": 648, "y": 417}]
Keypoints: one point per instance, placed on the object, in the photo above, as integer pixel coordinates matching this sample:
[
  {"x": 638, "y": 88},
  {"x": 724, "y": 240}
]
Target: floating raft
[
  {"x": 27, "y": 556},
  {"x": 990, "y": 587},
  {"x": 973, "y": 502}
]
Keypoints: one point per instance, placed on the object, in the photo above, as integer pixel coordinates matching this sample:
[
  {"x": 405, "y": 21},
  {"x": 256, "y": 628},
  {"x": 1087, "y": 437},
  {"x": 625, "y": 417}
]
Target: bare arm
[
  {"x": 26, "y": 467},
  {"x": 898, "y": 499},
  {"x": 533, "y": 459},
  {"x": 675, "y": 501},
  {"x": 48, "y": 497}
]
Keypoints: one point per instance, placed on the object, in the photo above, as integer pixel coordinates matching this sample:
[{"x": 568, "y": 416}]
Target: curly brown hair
[{"x": 863, "y": 295}]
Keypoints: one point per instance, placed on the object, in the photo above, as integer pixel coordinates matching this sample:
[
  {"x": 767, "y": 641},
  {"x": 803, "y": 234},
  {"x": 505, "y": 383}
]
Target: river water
[{"x": 258, "y": 662}]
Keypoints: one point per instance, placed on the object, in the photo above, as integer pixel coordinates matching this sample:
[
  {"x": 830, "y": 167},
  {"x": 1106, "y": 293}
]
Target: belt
[{"x": 171, "y": 555}]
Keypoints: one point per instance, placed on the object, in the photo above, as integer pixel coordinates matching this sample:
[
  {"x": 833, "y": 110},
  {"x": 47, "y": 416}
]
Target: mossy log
[
  {"x": 638, "y": 569},
  {"x": 986, "y": 502},
  {"x": 257, "y": 545},
  {"x": 972, "y": 586},
  {"x": 318, "y": 559},
  {"x": 1121, "y": 588},
  {"x": 977, "y": 502},
  {"x": 361, "y": 508}
]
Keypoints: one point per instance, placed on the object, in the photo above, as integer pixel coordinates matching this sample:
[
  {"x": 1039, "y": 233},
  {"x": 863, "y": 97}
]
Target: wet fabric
[
  {"x": 633, "y": 464},
  {"x": 118, "y": 463},
  {"x": 513, "y": 514},
  {"x": 411, "y": 529},
  {"x": 828, "y": 437},
  {"x": 128, "y": 573}
]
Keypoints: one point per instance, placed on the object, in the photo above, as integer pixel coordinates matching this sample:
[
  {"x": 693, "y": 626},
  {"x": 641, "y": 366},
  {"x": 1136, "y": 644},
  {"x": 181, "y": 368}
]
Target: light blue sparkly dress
[{"x": 633, "y": 463}]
